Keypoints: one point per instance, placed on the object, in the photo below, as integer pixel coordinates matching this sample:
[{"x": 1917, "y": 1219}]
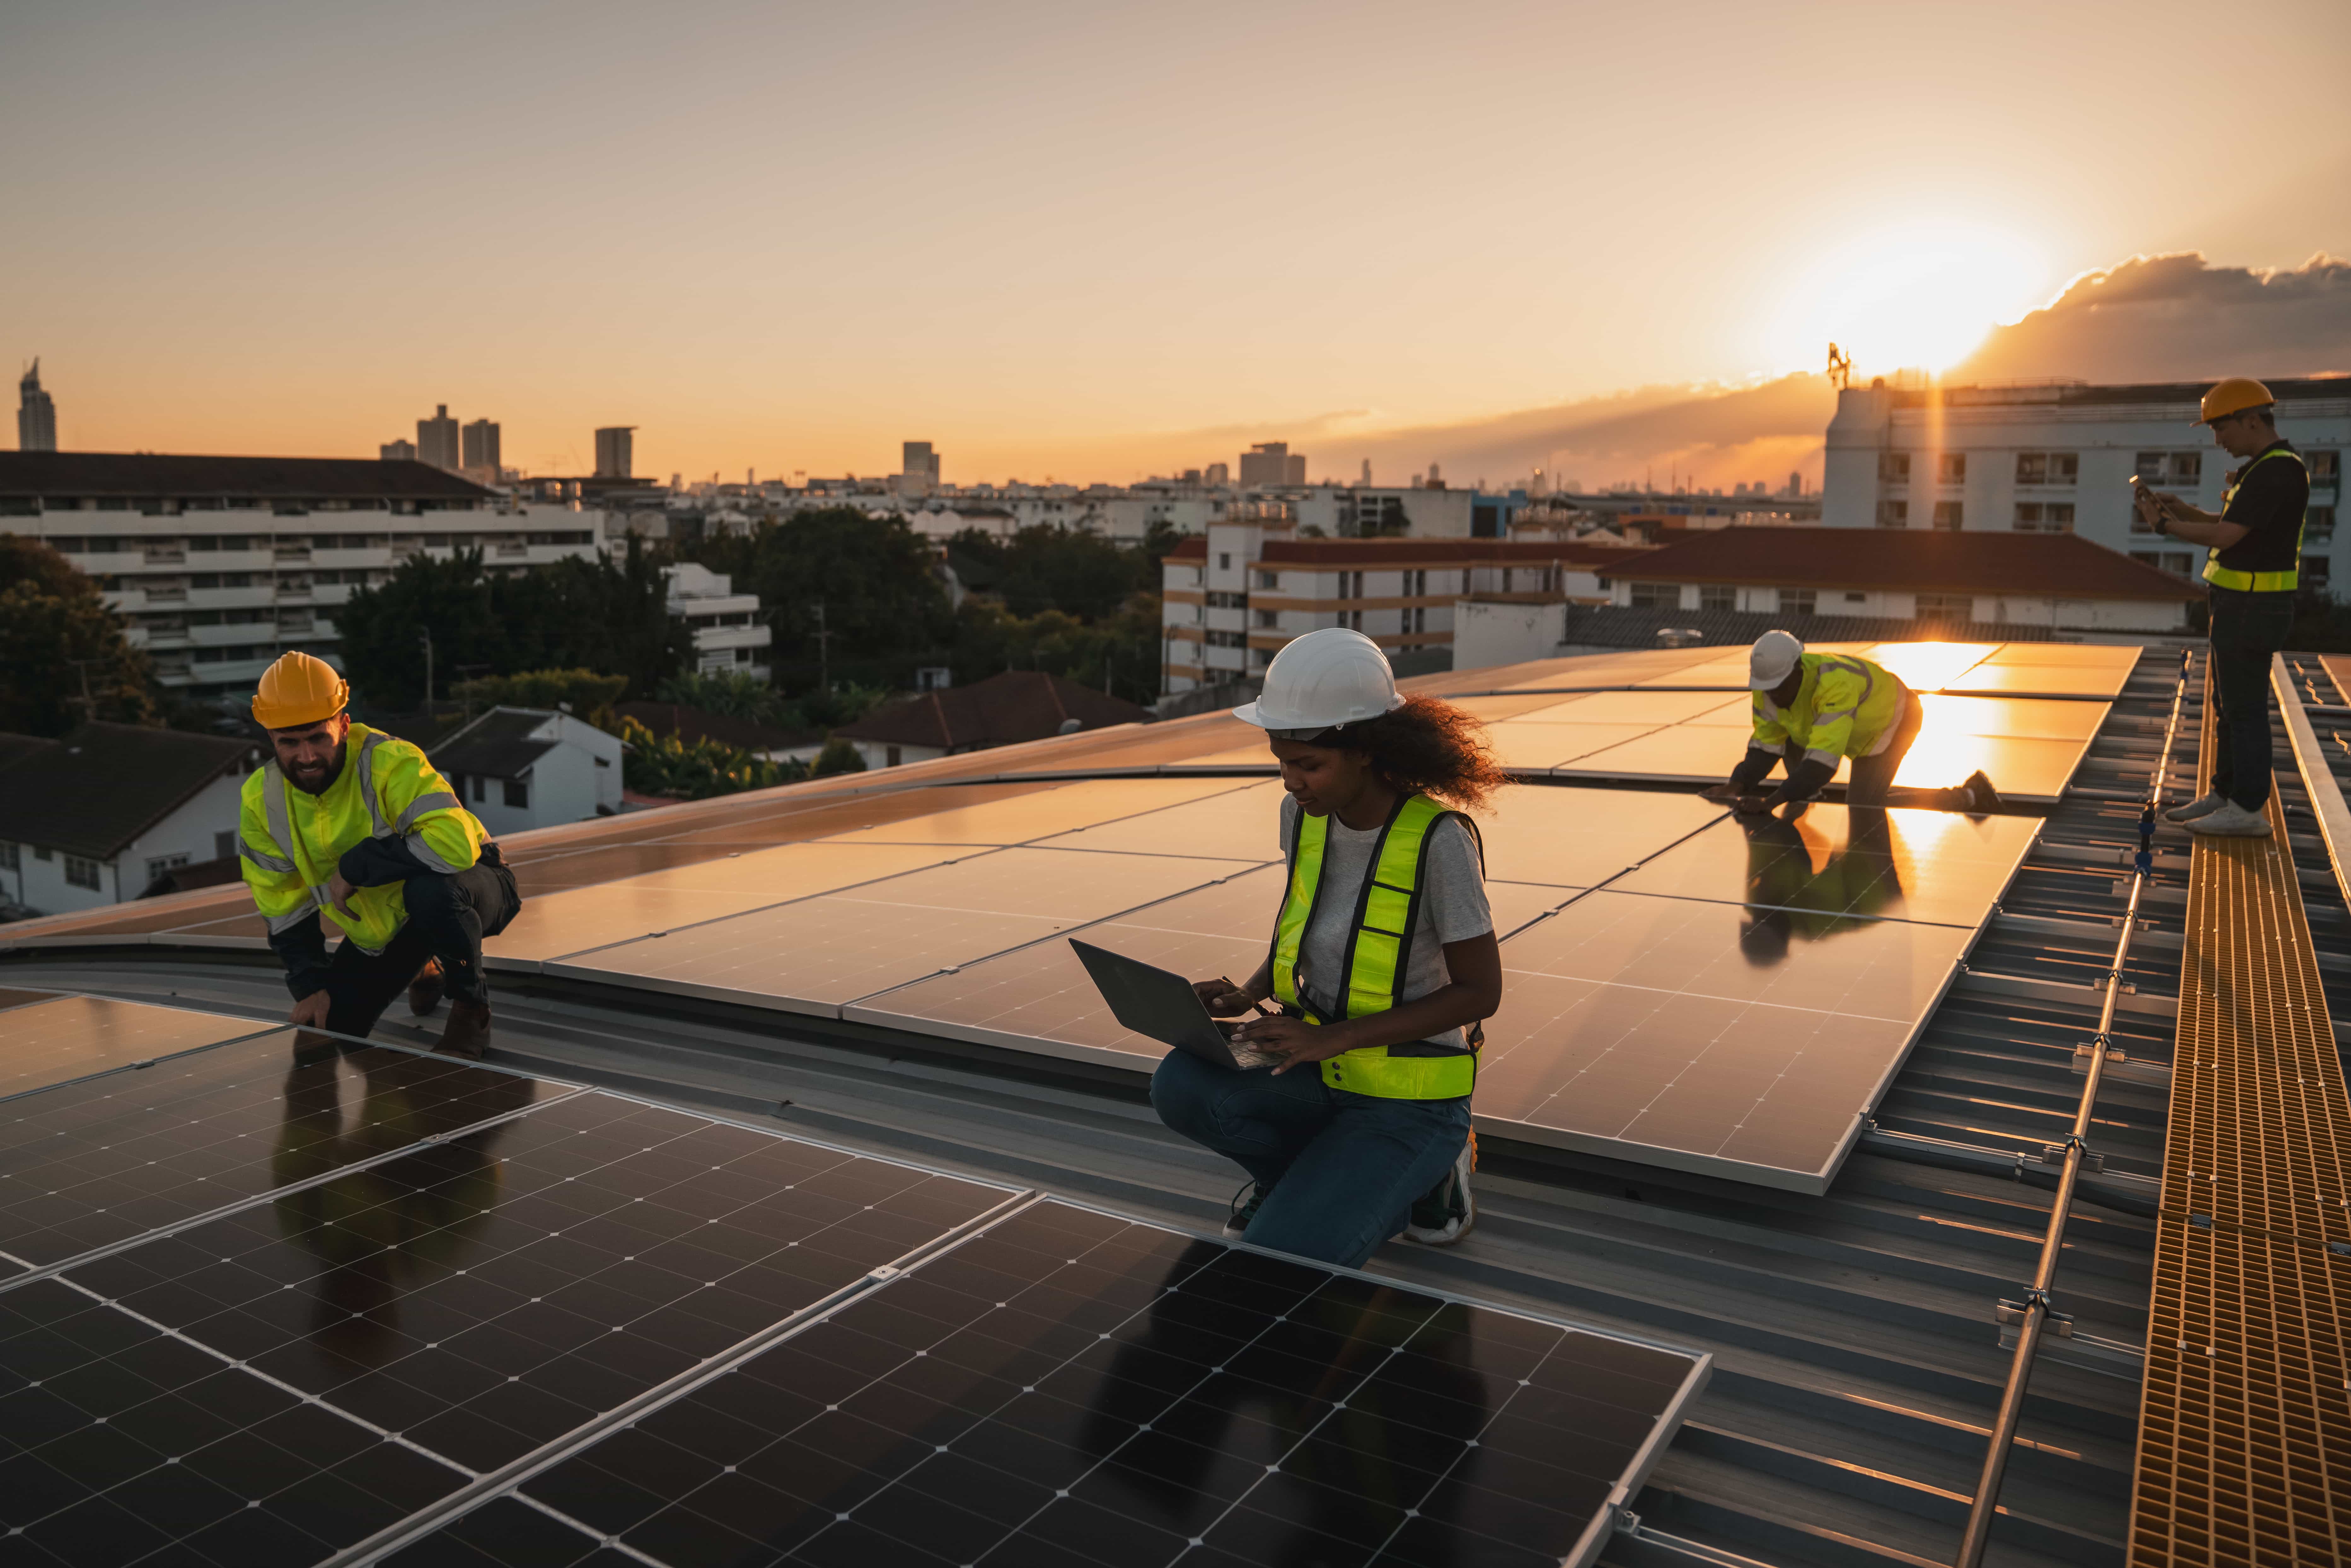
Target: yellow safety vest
[
  {"x": 1388, "y": 909},
  {"x": 290, "y": 840},
  {"x": 1844, "y": 703},
  {"x": 2220, "y": 575}
]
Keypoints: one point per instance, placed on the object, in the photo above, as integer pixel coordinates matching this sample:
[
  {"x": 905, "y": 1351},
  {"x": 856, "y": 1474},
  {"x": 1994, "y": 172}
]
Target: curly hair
[{"x": 1431, "y": 747}]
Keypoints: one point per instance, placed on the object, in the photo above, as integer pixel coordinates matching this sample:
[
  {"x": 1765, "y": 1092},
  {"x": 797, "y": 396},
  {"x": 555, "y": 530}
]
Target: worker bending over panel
[
  {"x": 347, "y": 822},
  {"x": 1813, "y": 710},
  {"x": 1383, "y": 965}
]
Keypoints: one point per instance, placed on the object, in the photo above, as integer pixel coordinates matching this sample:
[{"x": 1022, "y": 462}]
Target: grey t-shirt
[{"x": 1452, "y": 909}]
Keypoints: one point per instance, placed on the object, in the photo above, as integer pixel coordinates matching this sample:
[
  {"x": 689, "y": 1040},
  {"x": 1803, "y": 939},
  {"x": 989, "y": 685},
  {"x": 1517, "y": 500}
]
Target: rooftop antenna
[{"x": 1840, "y": 368}]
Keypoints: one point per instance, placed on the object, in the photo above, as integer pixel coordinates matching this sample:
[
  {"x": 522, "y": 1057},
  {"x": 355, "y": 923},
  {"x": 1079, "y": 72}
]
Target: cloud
[{"x": 2178, "y": 317}]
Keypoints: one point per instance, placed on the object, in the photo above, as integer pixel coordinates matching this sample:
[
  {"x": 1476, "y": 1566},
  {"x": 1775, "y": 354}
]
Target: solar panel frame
[{"x": 730, "y": 1406}]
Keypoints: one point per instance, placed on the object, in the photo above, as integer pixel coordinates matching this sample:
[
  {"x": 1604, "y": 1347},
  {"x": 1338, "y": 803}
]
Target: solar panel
[
  {"x": 485, "y": 1295},
  {"x": 1539, "y": 748},
  {"x": 1071, "y": 1387},
  {"x": 1650, "y": 709},
  {"x": 826, "y": 817},
  {"x": 1240, "y": 821},
  {"x": 128, "y": 1444},
  {"x": 2024, "y": 717},
  {"x": 48, "y": 1039},
  {"x": 1707, "y": 1036},
  {"x": 552, "y": 924},
  {"x": 2030, "y": 770},
  {"x": 1037, "y": 815},
  {"x": 1628, "y": 667},
  {"x": 1040, "y": 998},
  {"x": 1935, "y": 866},
  {"x": 1566, "y": 837},
  {"x": 1929, "y": 666},
  {"x": 97, "y": 1162},
  {"x": 816, "y": 954},
  {"x": 2106, "y": 656},
  {"x": 2045, "y": 680}
]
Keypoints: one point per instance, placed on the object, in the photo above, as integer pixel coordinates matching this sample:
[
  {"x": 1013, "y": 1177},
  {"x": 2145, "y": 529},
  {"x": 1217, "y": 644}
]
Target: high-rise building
[
  {"x": 1217, "y": 477},
  {"x": 481, "y": 446},
  {"x": 36, "y": 416},
  {"x": 918, "y": 469},
  {"x": 1272, "y": 463},
  {"x": 436, "y": 440},
  {"x": 616, "y": 452},
  {"x": 397, "y": 452}
]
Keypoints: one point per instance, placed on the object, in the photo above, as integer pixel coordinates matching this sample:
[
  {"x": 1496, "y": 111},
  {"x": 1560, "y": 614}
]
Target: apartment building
[
  {"x": 219, "y": 564},
  {"x": 729, "y": 632},
  {"x": 1232, "y": 596},
  {"x": 2060, "y": 458}
]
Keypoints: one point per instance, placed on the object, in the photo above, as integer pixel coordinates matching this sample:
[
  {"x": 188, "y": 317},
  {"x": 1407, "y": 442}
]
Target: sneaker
[
  {"x": 2231, "y": 821},
  {"x": 1980, "y": 793},
  {"x": 1446, "y": 1212},
  {"x": 2202, "y": 806},
  {"x": 1236, "y": 1224}
]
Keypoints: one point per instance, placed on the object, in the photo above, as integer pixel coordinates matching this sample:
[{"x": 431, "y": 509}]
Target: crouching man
[{"x": 348, "y": 823}]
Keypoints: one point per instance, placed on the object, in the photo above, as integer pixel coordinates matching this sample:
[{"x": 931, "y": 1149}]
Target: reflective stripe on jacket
[
  {"x": 1379, "y": 947},
  {"x": 2284, "y": 582},
  {"x": 290, "y": 840},
  {"x": 1845, "y": 707}
]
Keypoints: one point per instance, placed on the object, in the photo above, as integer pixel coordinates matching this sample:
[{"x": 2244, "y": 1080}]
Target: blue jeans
[{"x": 1339, "y": 1170}]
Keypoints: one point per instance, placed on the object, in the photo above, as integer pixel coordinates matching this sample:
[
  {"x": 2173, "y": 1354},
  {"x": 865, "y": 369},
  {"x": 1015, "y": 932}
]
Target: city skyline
[{"x": 1127, "y": 278}]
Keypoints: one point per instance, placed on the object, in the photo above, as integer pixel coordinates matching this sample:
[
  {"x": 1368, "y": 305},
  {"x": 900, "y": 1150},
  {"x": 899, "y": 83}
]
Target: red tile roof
[
  {"x": 1191, "y": 547},
  {"x": 2062, "y": 566},
  {"x": 1018, "y": 705}
]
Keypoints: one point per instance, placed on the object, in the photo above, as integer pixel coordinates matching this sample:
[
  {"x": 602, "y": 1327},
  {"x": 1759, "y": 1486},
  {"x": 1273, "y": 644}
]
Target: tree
[
  {"x": 1043, "y": 568},
  {"x": 60, "y": 640},
  {"x": 585, "y": 692},
  {"x": 606, "y": 616},
  {"x": 734, "y": 693},
  {"x": 695, "y": 770},
  {"x": 1120, "y": 653},
  {"x": 884, "y": 609}
]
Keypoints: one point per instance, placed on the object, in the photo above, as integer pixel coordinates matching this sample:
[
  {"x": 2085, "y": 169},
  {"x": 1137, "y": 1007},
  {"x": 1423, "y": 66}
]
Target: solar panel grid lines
[
  {"x": 90, "y": 1165},
  {"x": 1070, "y": 1385},
  {"x": 818, "y": 954},
  {"x": 1061, "y": 809},
  {"x": 51, "y": 1038},
  {"x": 489, "y": 1295},
  {"x": 129, "y": 1442}
]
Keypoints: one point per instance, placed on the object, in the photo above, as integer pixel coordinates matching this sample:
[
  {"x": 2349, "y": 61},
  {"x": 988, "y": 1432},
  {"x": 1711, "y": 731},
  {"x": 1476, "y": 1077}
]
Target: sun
[{"x": 1917, "y": 297}]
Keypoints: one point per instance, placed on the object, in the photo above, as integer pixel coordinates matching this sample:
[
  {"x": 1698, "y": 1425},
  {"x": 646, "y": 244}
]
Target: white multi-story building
[
  {"x": 220, "y": 564},
  {"x": 2059, "y": 459},
  {"x": 729, "y": 633},
  {"x": 1231, "y": 598}
]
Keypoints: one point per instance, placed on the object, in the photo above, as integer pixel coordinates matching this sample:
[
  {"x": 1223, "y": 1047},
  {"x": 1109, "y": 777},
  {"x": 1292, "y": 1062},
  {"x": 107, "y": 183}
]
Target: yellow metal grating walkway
[{"x": 2244, "y": 1451}]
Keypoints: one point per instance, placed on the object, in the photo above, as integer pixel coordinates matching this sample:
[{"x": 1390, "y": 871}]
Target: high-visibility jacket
[
  {"x": 1386, "y": 912},
  {"x": 2284, "y": 582},
  {"x": 291, "y": 840},
  {"x": 1845, "y": 706}
]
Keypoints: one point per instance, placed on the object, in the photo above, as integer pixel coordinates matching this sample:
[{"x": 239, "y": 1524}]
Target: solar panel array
[{"x": 386, "y": 1304}]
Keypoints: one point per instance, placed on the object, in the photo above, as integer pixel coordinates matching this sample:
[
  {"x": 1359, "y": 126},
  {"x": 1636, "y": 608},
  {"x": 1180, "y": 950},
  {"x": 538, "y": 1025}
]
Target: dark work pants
[
  {"x": 447, "y": 918},
  {"x": 2248, "y": 629}
]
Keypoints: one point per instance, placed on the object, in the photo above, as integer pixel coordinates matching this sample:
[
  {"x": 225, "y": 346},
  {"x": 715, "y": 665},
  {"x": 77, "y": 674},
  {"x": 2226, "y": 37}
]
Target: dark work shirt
[{"x": 2272, "y": 492}]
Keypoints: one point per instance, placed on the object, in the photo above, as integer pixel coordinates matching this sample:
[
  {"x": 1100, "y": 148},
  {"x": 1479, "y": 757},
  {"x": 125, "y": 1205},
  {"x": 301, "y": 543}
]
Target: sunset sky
[{"x": 1088, "y": 241}]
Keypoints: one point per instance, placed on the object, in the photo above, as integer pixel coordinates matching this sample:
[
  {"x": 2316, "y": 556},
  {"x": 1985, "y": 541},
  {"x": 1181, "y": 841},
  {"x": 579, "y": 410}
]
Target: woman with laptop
[{"x": 1383, "y": 965}]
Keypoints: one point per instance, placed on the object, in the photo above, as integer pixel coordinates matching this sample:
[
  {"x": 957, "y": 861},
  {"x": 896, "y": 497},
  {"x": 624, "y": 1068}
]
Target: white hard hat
[
  {"x": 1322, "y": 679},
  {"x": 1768, "y": 662}
]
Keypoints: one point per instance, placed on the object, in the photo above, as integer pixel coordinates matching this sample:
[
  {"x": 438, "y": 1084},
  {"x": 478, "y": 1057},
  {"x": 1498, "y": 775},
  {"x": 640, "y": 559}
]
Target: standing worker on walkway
[
  {"x": 347, "y": 821},
  {"x": 2256, "y": 560},
  {"x": 1384, "y": 961},
  {"x": 1811, "y": 710}
]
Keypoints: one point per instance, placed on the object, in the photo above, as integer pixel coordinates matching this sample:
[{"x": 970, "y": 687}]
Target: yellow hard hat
[
  {"x": 2233, "y": 394},
  {"x": 298, "y": 689}
]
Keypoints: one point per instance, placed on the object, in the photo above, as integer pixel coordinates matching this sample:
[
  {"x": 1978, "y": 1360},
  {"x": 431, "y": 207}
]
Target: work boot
[
  {"x": 424, "y": 991},
  {"x": 2231, "y": 821},
  {"x": 467, "y": 1032},
  {"x": 1446, "y": 1212},
  {"x": 1237, "y": 1223},
  {"x": 2202, "y": 806},
  {"x": 1984, "y": 797}
]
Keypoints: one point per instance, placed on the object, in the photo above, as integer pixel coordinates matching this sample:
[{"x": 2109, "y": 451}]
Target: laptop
[{"x": 1161, "y": 1005}]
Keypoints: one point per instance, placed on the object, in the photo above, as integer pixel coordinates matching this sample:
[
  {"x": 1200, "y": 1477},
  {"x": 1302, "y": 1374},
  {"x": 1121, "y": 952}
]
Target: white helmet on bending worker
[{"x": 1322, "y": 682}]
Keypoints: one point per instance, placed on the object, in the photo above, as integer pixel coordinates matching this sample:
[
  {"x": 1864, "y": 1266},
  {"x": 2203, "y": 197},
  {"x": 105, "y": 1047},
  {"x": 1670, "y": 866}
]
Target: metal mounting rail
[
  {"x": 2317, "y": 779},
  {"x": 2033, "y": 1314}
]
